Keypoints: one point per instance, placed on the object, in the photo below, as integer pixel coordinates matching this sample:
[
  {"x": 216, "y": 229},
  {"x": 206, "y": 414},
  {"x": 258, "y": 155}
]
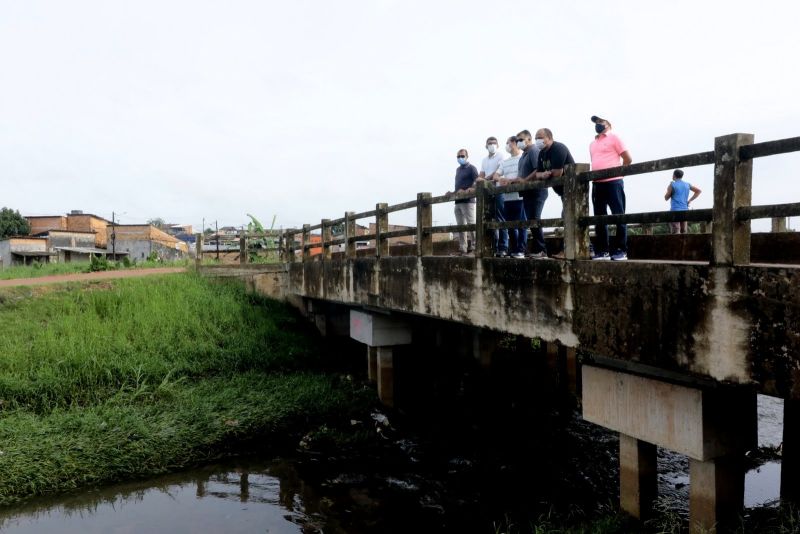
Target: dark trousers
[
  {"x": 534, "y": 202},
  {"x": 609, "y": 196},
  {"x": 518, "y": 238},
  {"x": 500, "y": 237}
]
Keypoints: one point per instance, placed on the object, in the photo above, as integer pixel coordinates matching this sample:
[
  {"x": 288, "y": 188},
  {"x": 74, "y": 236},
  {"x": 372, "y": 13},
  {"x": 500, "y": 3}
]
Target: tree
[
  {"x": 12, "y": 223},
  {"x": 158, "y": 222}
]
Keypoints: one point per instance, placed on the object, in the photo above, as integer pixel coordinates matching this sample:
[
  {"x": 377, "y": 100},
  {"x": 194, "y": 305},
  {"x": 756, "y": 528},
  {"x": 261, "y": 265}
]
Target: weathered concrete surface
[
  {"x": 378, "y": 331},
  {"x": 702, "y": 424},
  {"x": 737, "y": 325}
]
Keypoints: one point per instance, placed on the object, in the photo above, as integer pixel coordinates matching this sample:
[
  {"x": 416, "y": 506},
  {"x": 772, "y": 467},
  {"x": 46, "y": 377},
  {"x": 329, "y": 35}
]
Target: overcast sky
[{"x": 303, "y": 110}]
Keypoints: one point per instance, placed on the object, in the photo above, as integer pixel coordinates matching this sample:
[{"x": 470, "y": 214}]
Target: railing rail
[{"x": 730, "y": 216}]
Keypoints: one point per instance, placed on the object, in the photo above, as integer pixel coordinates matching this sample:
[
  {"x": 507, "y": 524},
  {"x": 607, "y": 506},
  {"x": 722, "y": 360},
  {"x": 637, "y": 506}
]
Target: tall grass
[
  {"x": 49, "y": 269},
  {"x": 106, "y": 381},
  {"x": 82, "y": 344}
]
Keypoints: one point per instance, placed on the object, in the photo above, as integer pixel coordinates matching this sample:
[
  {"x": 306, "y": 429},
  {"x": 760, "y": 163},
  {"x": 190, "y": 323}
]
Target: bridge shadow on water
[{"x": 494, "y": 444}]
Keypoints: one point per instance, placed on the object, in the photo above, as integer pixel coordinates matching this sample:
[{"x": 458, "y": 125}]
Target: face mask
[
  {"x": 462, "y": 160},
  {"x": 491, "y": 148},
  {"x": 521, "y": 145},
  {"x": 508, "y": 147},
  {"x": 599, "y": 128},
  {"x": 539, "y": 143}
]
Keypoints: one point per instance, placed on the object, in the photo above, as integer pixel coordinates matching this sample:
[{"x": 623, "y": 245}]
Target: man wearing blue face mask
[{"x": 466, "y": 174}]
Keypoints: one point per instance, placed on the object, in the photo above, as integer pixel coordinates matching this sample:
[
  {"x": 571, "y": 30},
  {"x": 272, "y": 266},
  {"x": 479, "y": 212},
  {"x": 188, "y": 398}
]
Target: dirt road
[{"x": 85, "y": 277}]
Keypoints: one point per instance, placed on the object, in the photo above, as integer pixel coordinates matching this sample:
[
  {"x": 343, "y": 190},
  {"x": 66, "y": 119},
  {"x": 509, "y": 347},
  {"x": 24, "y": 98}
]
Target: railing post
[
  {"x": 778, "y": 224},
  {"x": 483, "y": 237},
  {"x": 326, "y": 239},
  {"x": 243, "y": 249},
  {"x": 349, "y": 233},
  {"x": 198, "y": 252},
  {"x": 576, "y": 205},
  {"x": 305, "y": 251},
  {"x": 424, "y": 220},
  {"x": 381, "y": 227},
  {"x": 291, "y": 257},
  {"x": 732, "y": 188}
]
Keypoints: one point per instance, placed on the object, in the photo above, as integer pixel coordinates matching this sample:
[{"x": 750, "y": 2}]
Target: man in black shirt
[{"x": 553, "y": 156}]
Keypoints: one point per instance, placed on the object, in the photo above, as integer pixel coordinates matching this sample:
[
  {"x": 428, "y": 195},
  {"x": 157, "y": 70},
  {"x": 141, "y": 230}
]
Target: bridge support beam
[
  {"x": 381, "y": 333},
  {"x": 713, "y": 427},
  {"x": 790, "y": 459}
]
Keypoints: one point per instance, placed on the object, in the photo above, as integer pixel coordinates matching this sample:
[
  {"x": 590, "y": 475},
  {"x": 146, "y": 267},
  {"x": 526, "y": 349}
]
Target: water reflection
[{"x": 220, "y": 498}]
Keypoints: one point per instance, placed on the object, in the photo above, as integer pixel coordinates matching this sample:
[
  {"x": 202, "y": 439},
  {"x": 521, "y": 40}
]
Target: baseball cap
[{"x": 595, "y": 118}]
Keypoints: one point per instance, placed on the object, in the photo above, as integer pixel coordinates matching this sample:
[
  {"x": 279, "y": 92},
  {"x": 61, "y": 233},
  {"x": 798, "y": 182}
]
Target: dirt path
[{"x": 84, "y": 277}]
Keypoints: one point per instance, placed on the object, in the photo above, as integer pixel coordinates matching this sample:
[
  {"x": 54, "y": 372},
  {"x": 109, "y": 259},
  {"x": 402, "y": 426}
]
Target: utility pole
[
  {"x": 113, "y": 236},
  {"x": 216, "y": 229}
]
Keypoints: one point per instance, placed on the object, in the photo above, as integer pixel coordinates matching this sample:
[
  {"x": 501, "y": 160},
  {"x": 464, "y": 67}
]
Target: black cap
[{"x": 595, "y": 118}]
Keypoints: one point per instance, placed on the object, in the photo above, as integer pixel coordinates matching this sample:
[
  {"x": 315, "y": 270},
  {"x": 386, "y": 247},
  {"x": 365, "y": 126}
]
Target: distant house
[
  {"x": 74, "y": 221},
  {"x": 24, "y": 251},
  {"x": 142, "y": 240},
  {"x": 71, "y": 246}
]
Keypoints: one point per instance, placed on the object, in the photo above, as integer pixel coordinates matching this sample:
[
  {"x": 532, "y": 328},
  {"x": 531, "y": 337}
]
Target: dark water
[{"x": 481, "y": 448}]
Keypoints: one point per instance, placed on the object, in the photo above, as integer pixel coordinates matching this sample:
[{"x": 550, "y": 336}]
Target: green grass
[
  {"x": 48, "y": 269},
  {"x": 104, "y": 382}
]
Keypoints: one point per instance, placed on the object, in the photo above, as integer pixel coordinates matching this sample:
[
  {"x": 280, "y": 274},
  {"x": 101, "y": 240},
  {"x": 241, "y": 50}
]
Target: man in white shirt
[
  {"x": 489, "y": 166},
  {"x": 507, "y": 173}
]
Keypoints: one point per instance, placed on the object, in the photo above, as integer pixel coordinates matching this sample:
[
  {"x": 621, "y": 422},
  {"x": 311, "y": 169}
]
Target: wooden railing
[{"x": 731, "y": 213}]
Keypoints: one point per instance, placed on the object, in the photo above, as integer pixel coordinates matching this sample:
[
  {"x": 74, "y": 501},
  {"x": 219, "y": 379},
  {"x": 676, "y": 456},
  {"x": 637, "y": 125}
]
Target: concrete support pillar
[
  {"x": 790, "y": 463},
  {"x": 638, "y": 476},
  {"x": 386, "y": 375},
  {"x": 571, "y": 360},
  {"x": 380, "y": 333},
  {"x": 714, "y": 427},
  {"x": 716, "y": 494},
  {"x": 551, "y": 350},
  {"x": 372, "y": 363},
  {"x": 484, "y": 345}
]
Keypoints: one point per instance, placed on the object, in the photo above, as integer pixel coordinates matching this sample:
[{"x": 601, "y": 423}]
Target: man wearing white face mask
[{"x": 489, "y": 166}]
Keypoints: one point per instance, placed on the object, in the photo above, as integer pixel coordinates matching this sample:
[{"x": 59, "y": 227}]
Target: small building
[
  {"x": 139, "y": 241},
  {"x": 74, "y": 221},
  {"x": 24, "y": 251}
]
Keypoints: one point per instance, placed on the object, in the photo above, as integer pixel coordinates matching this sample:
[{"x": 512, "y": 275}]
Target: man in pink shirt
[{"x": 607, "y": 150}]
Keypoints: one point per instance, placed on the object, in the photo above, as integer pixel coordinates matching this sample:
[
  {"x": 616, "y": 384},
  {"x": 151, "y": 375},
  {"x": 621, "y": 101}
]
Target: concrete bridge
[{"x": 675, "y": 350}]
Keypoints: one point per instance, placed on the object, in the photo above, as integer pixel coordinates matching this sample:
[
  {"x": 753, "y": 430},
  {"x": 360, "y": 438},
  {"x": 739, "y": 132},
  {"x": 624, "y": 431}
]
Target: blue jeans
[
  {"x": 534, "y": 202},
  {"x": 605, "y": 196},
  {"x": 500, "y": 237},
  {"x": 515, "y": 211}
]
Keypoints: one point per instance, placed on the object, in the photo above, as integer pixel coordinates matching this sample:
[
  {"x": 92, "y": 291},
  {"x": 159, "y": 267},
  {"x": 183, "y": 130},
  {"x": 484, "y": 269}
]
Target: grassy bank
[
  {"x": 38, "y": 270},
  {"x": 105, "y": 382}
]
